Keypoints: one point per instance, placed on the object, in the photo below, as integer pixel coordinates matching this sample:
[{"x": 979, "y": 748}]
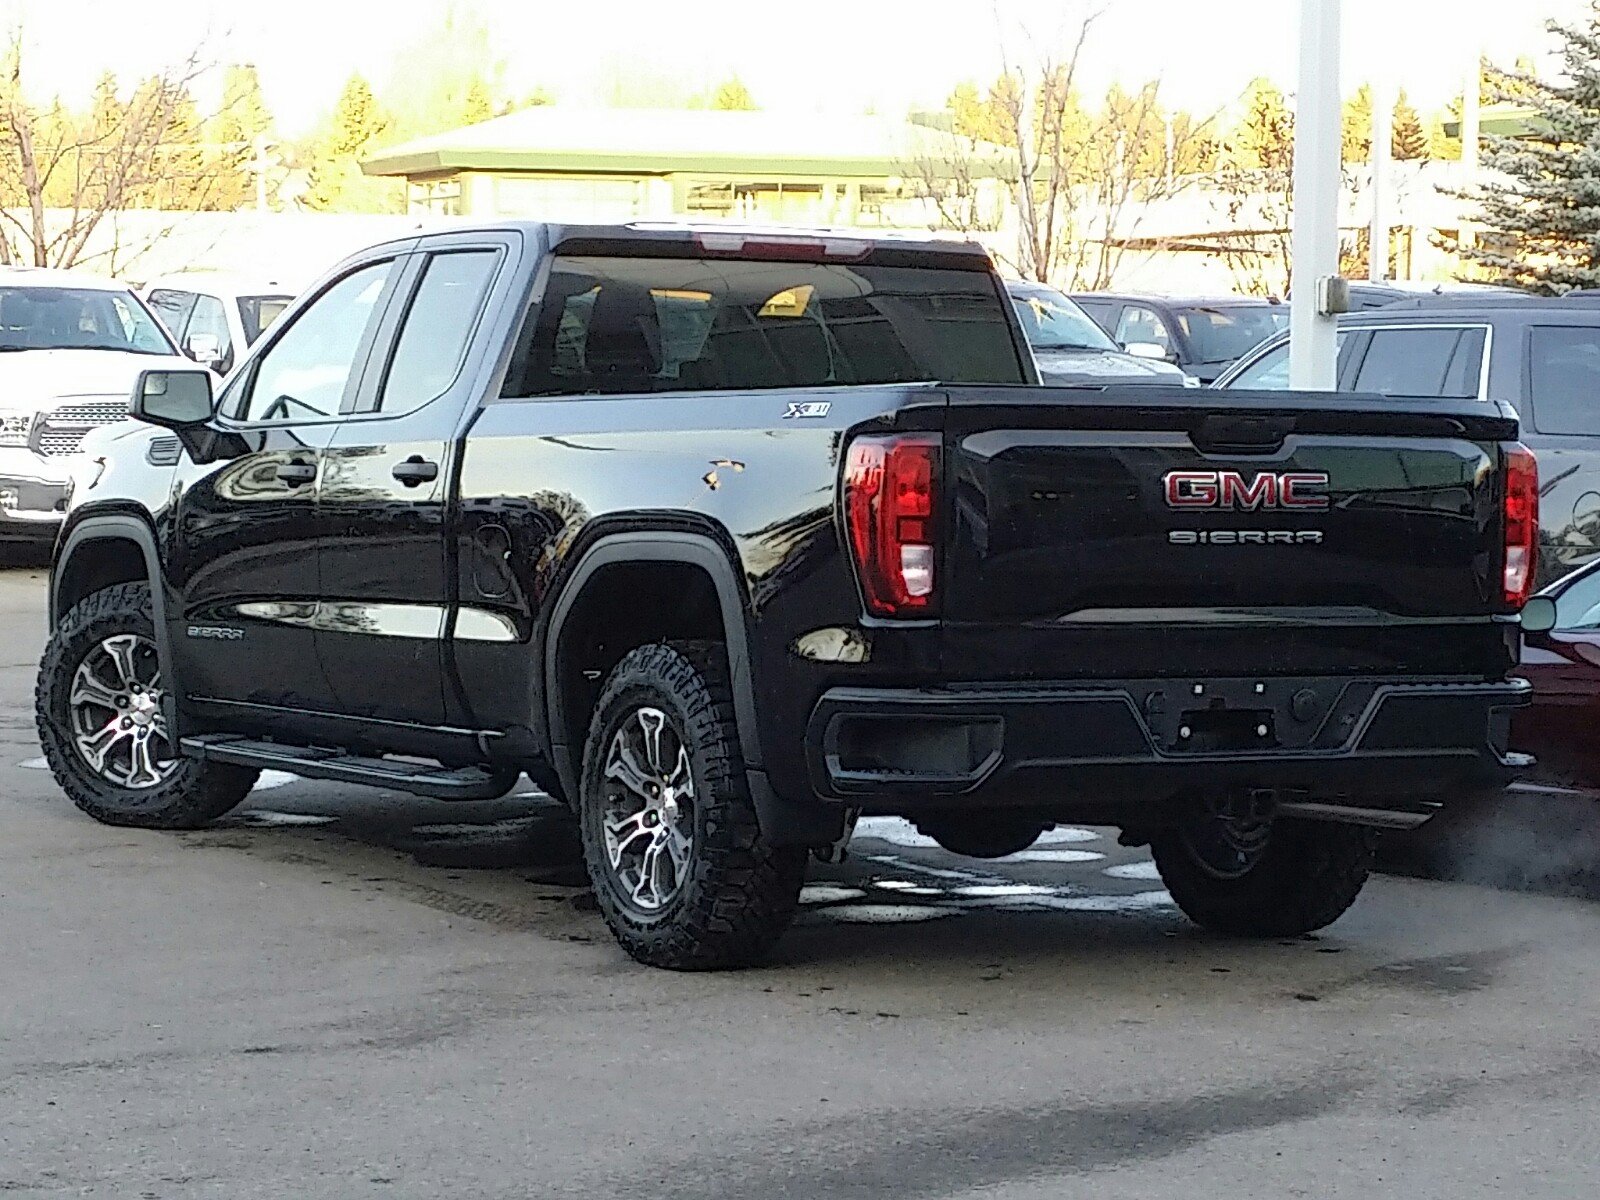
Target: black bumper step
[{"x": 312, "y": 762}]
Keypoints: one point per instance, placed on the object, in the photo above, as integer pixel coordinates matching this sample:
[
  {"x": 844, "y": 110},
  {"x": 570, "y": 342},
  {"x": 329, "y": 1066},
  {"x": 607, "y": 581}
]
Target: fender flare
[
  {"x": 121, "y": 527},
  {"x": 697, "y": 550}
]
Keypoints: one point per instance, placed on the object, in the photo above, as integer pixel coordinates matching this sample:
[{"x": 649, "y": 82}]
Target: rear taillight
[
  {"x": 1522, "y": 523},
  {"x": 889, "y": 502}
]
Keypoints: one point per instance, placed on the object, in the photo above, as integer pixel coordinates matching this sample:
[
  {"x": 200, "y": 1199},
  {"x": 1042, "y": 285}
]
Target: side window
[
  {"x": 1142, "y": 325},
  {"x": 1564, "y": 365},
  {"x": 208, "y": 338},
  {"x": 1270, "y": 372},
  {"x": 173, "y": 308},
  {"x": 1422, "y": 362},
  {"x": 1579, "y": 606},
  {"x": 444, "y": 312},
  {"x": 303, "y": 375},
  {"x": 1102, "y": 312}
]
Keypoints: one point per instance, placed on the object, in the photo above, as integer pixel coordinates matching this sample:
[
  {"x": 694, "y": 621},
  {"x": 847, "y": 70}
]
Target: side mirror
[
  {"x": 205, "y": 349},
  {"x": 1149, "y": 350},
  {"x": 176, "y": 399},
  {"x": 1539, "y": 615}
]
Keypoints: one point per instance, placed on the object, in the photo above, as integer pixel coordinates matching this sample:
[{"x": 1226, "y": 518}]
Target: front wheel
[
  {"x": 1276, "y": 879},
  {"x": 99, "y": 707},
  {"x": 681, "y": 872}
]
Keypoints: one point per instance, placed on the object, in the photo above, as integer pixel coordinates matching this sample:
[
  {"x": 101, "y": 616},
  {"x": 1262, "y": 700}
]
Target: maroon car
[{"x": 1562, "y": 727}]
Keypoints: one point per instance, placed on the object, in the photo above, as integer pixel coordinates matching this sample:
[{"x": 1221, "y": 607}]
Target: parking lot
[{"x": 342, "y": 993}]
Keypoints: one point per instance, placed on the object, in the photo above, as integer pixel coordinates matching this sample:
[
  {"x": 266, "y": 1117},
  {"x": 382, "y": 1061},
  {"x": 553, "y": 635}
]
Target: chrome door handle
[{"x": 416, "y": 470}]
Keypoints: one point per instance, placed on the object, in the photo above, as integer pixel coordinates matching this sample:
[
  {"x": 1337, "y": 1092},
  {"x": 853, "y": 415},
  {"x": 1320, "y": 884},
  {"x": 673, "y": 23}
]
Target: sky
[{"x": 844, "y": 56}]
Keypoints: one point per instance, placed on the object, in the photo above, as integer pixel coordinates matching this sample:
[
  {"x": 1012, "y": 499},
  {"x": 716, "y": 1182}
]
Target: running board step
[{"x": 401, "y": 775}]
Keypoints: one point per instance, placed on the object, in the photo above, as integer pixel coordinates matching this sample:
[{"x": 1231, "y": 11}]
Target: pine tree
[
  {"x": 1545, "y": 208},
  {"x": 1355, "y": 127},
  {"x": 241, "y": 119},
  {"x": 732, "y": 96},
  {"x": 1264, "y": 139},
  {"x": 477, "y": 104},
  {"x": 335, "y": 179},
  {"x": 1408, "y": 140}
]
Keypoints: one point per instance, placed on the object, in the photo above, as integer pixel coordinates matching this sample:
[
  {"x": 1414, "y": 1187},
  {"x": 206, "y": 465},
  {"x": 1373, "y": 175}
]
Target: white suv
[
  {"x": 71, "y": 347},
  {"x": 214, "y": 316}
]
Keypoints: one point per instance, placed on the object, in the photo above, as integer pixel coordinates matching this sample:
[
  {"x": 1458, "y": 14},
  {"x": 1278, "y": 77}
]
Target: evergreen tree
[
  {"x": 732, "y": 96},
  {"x": 1545, "y": 207},
  {"x": 355, "y": 125},
  {"x": 1355, "y": 127},
  {"x": 241, "y": 119},
  {"x": 477, "y": 104},
  {"x": 1407, "y": 140},
  {"x": 1264, "y": 138}
]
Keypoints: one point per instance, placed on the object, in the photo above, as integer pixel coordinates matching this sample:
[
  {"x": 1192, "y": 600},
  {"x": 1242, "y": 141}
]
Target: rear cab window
[{"x": 619, "y": 325}]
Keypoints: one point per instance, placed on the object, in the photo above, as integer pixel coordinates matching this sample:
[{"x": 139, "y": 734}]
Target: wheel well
[
  {"x": 97, "y": 564},
  {"x": 621, "y": 607}
]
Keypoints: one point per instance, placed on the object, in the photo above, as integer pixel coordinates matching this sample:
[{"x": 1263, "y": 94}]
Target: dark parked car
[
  {"x": 1540, "y": 355},
  {"x": 1069, "y": 348},
  {"x": 726, "y": 538},
  {"x": 1563, "y": 726},
  {"x": 1201, "y": 336},
  {"x": 1366, "y": 295}
]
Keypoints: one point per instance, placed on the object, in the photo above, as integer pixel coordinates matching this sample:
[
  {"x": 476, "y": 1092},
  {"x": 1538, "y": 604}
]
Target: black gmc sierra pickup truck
[{"x": 726, "y": 537}]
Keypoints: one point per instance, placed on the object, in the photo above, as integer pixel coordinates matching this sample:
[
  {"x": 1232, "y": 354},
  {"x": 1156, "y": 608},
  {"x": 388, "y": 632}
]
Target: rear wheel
[
  {"x": 100, "y": 710},
  {"x": 1260, "y": 878},
  {"x": 681, "y": 872}
]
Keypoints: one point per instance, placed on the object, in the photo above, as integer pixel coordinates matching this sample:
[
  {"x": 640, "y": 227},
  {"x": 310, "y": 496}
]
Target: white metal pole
[
  {"x": 1469, "y": 136},
  {"x": 1313, "y": 348},
  {"x": 1382, "y": 135}
]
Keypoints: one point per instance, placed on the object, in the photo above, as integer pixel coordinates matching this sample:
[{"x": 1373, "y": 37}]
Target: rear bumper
[{"x": 1373, "y": 751}]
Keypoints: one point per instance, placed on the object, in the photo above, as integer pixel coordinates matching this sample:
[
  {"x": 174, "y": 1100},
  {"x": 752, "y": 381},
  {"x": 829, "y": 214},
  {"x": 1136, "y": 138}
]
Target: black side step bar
[{"x": 420, "y": 779}]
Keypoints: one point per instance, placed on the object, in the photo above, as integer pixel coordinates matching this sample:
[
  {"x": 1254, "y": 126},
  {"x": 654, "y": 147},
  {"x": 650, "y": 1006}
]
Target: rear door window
[
  {"x": 613, "y": 325},
  {"x": 1564, "y": 375},
  {"x": 443, "y": 313},
  {"x": 1438, "y": 361}
]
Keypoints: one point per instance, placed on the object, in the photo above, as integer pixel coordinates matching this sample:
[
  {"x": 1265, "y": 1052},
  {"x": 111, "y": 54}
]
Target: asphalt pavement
[{"x": 337, "y": 992}]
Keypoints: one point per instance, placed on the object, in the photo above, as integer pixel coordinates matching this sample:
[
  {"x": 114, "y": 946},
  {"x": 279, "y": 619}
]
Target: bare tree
[
  {"x": 1082, "y": 179},
  {"x": 64, "y": 174}
]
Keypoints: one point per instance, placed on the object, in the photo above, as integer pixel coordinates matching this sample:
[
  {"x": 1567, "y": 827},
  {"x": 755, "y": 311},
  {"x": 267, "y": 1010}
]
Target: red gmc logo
[{"x": 1307, "y": 490}]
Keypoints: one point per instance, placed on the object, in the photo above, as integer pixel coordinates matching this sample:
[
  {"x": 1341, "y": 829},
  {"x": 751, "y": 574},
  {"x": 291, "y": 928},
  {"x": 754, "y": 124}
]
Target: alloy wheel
[
  {"x": 649, "y": 809},
  {"x": 119, "y": 727}
]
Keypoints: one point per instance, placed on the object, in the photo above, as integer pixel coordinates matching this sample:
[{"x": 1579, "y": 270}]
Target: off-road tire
[
  {"x": 739, "y": 894},
  {"x": 195, "y": 794},
  {"x": 1308, "y": 874}
]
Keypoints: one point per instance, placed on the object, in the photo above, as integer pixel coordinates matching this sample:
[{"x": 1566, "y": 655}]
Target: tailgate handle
[{"x": 1231, "y": 434}]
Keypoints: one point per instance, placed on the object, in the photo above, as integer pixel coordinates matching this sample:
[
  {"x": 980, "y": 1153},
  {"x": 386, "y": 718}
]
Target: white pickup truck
[{"x": 71, "y": 346}]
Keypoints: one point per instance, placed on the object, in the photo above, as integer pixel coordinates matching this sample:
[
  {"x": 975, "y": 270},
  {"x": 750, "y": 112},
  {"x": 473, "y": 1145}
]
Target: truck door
[
  {"x": 245, "y": 538},
  {"x": 387, "y": 585}
]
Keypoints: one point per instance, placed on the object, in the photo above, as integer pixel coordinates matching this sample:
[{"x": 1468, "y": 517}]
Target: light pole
[
  {"x": 1313, "y": 346},
  {"x": 1382, "y": 134}
]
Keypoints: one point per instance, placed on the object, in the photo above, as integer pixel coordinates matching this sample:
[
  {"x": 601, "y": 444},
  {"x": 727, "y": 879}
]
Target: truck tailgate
[{"x": 1118, "y": 534}]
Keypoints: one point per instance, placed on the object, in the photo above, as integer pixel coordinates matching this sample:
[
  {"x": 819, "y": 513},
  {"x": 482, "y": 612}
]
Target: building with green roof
[{"x": 605, "y": 165}]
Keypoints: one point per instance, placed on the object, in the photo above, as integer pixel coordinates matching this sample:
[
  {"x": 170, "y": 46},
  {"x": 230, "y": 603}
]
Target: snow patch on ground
[
  {"x": 885, "y": 914},
  {"x": 35, "y": 764},
  {"x": 1051, "y": 856},
  {"x": 1134, "y": 870},
  {"x": 264, "y": 818},
  {"x": 827, "y": 893},
  {"x": 273, "y": 779}
]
